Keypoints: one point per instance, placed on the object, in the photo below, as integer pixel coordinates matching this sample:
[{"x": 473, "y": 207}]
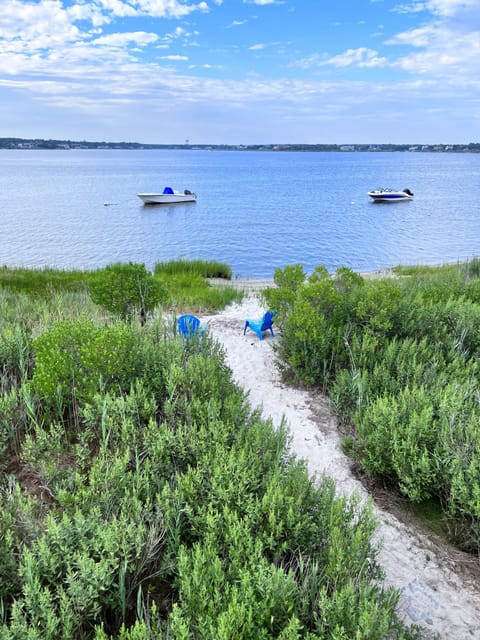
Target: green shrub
[
  {"x": 126, "y": 289},
  {"x": 393, "y": 353},
  {"x": 378, "y": 306},
  {"x": 74, "y": 360},
  {"x": 281, "y": 297}
]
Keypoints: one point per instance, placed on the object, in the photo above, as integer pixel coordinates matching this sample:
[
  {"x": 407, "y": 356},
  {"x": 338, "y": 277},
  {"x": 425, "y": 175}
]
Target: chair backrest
[
  {"x": 267, "y": 320},
  {"x": 188, "y": 325}
]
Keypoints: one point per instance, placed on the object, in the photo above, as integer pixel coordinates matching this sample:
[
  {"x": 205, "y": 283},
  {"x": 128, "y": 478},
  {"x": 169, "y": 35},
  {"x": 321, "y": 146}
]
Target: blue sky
[{"x": 241, "y": 71}]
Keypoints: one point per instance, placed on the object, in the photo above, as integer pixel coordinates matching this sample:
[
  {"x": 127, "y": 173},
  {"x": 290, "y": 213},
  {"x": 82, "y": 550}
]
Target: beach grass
[
  {"x": 43, "y": 282},
  {"x": 201, "y": 268},
  {"x": 470, "y": 268},
  {"x": 185, "y": 281}
]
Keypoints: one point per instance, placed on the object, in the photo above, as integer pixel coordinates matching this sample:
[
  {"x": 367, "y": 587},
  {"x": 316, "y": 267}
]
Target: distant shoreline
[{"x": 66, "y": 145}]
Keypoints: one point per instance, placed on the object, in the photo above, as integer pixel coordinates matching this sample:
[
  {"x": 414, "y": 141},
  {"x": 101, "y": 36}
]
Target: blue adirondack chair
[
  {"x": 190, "y": 326},
  {"x": 259, "y": 326}
]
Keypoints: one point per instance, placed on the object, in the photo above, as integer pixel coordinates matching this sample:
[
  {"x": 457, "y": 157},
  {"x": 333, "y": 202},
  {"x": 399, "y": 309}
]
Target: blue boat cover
[{"x": 168, "y": 190}]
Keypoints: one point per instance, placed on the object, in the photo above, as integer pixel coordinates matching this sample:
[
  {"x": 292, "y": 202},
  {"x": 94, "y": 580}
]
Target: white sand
[{"x": 440, "y": 587}]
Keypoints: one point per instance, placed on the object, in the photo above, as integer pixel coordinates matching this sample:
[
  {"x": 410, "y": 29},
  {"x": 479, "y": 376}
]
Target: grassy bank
[
  {"x": 399, "y": 358},
  {"x": 142, "y": 499},
  {"x": 186, "y": 283}
]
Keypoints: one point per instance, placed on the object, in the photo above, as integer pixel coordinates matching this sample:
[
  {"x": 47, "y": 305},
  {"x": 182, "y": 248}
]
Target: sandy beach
[{"x": 440, "y": 585}]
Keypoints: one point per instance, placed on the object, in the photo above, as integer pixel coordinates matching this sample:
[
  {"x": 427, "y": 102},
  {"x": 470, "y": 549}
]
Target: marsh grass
[
  {"x": 457, "y": 270},
  {"x": 188, "y": 288},
  {"x": 193, "y": 292},
  {"x": 44, "y": 282},
  {"x": 202, "y": 268},
  {"x": 186, "y": 282}
]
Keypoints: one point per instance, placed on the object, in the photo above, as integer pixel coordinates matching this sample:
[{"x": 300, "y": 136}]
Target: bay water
[{"x": 256, "y": 210}]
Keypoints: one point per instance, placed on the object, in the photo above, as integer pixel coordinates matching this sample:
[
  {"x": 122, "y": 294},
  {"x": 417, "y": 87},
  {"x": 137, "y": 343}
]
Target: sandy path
[{"x": 437, "y": 592}]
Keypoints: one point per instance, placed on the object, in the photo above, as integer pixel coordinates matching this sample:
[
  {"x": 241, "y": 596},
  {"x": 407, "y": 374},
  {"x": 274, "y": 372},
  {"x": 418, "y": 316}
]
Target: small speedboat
[
  {"x": 168, "y": 196},
  {"x": 390, "y": 195}
]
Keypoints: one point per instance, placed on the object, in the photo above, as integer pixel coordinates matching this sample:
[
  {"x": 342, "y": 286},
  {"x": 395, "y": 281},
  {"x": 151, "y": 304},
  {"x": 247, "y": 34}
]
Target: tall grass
[
  {"x": 186, "y": 283},
  {"x": 202, "y": 268},
  {"x": 463, "y": 270},
  {"x": 42, "y": 282}
]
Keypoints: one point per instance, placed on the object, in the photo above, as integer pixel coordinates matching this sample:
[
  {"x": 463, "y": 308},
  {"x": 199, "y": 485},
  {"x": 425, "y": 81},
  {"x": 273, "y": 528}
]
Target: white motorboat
[
  {"x": 390, "y": 195},
  {"x": 168, "y": 196}
]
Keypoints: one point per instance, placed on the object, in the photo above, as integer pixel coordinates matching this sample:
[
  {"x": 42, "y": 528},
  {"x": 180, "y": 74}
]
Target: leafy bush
[
  {"x": 399, "y": 358},
  {"x": 126, "y": 289},
  {"x": 76, "y": 359},
  {"x": 281, "y": 298}
]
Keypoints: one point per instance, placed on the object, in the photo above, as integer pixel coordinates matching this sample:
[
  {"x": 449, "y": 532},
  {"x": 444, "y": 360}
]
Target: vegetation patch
[
  {"x": 141, "y": 498},
  {"x": 399, "y": 358}
]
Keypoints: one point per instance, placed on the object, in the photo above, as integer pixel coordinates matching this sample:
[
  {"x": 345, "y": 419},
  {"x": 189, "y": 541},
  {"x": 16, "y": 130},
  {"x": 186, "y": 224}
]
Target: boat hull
[
  {"x": 166, "y": 198},
  {"x": 388, "y": 195}
]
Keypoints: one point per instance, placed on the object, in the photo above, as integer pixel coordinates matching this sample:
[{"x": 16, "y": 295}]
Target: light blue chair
[
  {"x": 259, "y": 326},
  {"x": 189, "y": 326}
]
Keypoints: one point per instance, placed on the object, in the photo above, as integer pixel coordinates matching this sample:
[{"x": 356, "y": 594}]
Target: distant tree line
[{"x": 38, "y": 143}]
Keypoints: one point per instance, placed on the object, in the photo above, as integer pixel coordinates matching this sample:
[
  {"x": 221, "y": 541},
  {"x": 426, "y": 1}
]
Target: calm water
[{"x": 255, "y": 210}]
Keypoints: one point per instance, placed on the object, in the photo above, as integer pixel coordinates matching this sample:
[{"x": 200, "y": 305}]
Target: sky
[{"x": 241, "y": 71}]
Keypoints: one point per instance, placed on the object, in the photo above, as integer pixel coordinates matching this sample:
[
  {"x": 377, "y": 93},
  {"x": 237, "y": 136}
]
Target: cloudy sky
[{"x": 241, "y": 71}]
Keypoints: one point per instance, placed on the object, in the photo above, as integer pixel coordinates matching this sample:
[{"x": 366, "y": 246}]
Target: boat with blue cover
[
  {"x": 168, "y": 196},
  {"x": 390, "y": 195}
]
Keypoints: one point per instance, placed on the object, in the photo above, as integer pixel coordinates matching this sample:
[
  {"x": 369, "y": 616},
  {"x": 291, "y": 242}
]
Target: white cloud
[
  {"x": 174, "y": 57},
  {"x": 361, "y": 57},
  {"x": 168, "y": 8},
  {"x": 416, "y": 7},
  {"x": 314, "y": 60},
  {"x": 421, "y": 37},
  {"x": 443, "y": 52},
  {"x": 262, "y": 2},
  {"x": 175, "y": 35},
  {"x": 140, "y": 38},
  {"x": 450, "y": 7},
  {"x": 443, "y": 8},
  {"x": 236, "y": 23},
  {"x": 36, "y": 26},
  {"x": 118, "y": 8}
]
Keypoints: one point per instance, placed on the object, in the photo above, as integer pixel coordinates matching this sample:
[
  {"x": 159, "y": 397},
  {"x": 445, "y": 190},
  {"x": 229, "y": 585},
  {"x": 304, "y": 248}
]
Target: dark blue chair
[
  {"x": 189, "y": 326},
  {"x": 259, "y": 326}
]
